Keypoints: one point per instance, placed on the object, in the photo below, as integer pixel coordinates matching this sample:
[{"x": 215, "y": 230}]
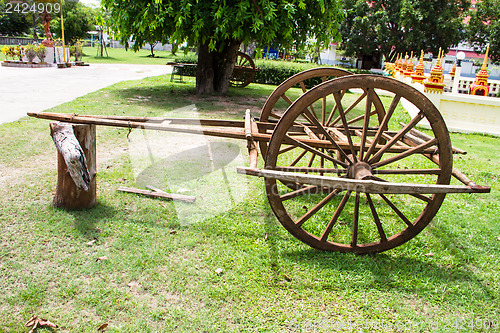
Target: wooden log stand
[{"x": 76, "y": 165}]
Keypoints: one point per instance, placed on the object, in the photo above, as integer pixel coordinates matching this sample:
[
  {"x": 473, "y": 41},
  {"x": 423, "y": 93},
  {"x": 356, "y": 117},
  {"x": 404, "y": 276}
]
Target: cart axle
[{"x": 363, "y": 186}]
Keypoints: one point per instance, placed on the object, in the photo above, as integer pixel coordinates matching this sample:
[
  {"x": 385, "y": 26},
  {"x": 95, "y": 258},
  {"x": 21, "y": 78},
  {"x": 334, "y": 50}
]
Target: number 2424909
[{"x": 26, "y": 8}]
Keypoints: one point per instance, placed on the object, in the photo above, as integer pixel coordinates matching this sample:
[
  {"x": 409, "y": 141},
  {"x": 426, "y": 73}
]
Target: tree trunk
[
  {"x": 215, "y": 67},
  {"x": 204, "y": 71},
  {"x": 35, "y": 35},
  {"x": 76, "y": 164},
  {"x": 101, "y": 41}
]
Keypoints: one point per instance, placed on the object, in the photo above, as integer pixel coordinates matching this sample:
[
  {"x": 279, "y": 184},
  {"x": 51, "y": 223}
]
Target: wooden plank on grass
[{"x": 158, "y": 194}]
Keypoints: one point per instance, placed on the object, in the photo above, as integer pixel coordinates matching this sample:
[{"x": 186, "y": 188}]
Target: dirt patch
[{"x": 9, "y": 175}]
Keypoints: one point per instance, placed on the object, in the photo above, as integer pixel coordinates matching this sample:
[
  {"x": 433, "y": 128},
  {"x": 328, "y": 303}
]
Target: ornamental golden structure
[
  {"x": 480, "y": 86},
  {"x": 434, "y": 83}
]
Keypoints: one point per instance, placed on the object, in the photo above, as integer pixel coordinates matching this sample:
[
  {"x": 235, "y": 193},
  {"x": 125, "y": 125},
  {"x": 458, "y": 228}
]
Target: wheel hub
[{"x": 360, "y": 170}]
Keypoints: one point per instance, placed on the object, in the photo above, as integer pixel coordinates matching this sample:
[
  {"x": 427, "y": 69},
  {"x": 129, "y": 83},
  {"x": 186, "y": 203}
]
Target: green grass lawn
[
  {"x": 121, "y": 56},
  {"x": 156, "y": 268}
]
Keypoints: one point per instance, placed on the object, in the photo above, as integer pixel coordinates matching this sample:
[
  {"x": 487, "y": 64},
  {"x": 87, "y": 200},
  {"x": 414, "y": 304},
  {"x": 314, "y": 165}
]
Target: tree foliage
[
  {"x": 12, "y": 24},
  {"x": 393, "y": 26},
  {"x": 484, "y": 28},
  {"x": 219, "y": 27},
  {"x": 78, "y": 20}
]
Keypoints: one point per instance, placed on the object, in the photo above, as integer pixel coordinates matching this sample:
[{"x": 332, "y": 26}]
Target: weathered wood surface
[
  {"x": 227, "y": 130},
  {"x": 364, "y": 186},
  {"x": 158, "y": 193},
  {"x": 250, "y": 129},
  {"x": 76, "y": 181}
]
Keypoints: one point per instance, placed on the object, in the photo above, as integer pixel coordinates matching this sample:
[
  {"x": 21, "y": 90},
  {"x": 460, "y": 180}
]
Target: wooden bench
[{"x": 177, "y": 69}]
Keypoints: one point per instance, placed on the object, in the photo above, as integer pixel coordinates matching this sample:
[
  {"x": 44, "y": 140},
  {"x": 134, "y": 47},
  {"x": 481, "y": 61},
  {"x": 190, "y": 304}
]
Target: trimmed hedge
[
  {"x": 190, "y": 58},
  {"x": 275, "y": 71},
  {"x": 269, "y": 71}
]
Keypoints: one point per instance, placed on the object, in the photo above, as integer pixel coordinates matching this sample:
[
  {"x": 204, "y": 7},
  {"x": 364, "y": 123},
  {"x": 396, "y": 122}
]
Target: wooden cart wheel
[
  {"x": 334, "y": 219},
  {"x": 243, "y": 72},
  {"x": 303, "y": 81}
]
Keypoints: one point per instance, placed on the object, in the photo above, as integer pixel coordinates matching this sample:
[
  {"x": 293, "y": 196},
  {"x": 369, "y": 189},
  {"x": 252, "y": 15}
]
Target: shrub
[
  {"x": 30, "y": 52},
  {"x": 269, "y": 71},
  {"x": 41, "y": 52},
  {"x": 8, "y": 51},
  {"x": 18, "y": 51},
  {"x": 190, "y": 58}
]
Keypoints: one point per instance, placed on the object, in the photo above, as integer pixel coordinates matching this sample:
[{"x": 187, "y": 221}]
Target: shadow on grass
[
  {"x": 387, "y": 272},
  {"x": 167, "y": 96},
  {"x": 85, "y": 221},
  {"x": 155, "y": 57},
  {"x": 96, "y": 57},
  {"x": 189, "y": 164}
]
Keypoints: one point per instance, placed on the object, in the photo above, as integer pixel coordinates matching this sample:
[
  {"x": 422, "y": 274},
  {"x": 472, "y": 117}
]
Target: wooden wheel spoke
[
  {"x": 323, "y": 130},
  {"x": 376, "y": 219},
  {"x": 303, "y": 86},
  {"x": 275, "y": 115},
  {"x": 366, "y": 122},
  {"x": 407, "y": 171},
  {"x": 321, "y": 170},
  {"x": 383, "y": 126},
  {"x": 287, "y": 149},
  {"x": 416, "y": 195},
  {"x": 358, "y": 118},
  {"x": 397, "y": 211},
  {"x": 335, "y": 217},
  {"x": 346, "y": 126},
  {"x": 311, "y": 161},
  {"x": 304, "y": 89},
  {"x": 332, "y": 113},
  {"x": 314, "y": 151},
  {"x": 286, "y": 99},
  {"x": 298, "y": 158},
  {"x": 310, "y": 189},
  {"x": 352, "y": 106},
  {"x": 322, "y": 163},
  {"x": 323, "y": 111},
  {"x": 398, "y": 136},
  {"x": 422, "y": 197},
  {"x": 354, "y": 240},
  {"x": 310, "y": 133},
  {"x": 414, "y": 150},
  {"x": 316, "y": 208}
]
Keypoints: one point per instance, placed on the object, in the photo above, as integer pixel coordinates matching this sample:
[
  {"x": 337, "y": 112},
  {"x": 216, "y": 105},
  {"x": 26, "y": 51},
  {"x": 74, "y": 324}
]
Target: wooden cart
[
  {"x": 342, "y": 173},
  {"x": 243, "y": 72}
]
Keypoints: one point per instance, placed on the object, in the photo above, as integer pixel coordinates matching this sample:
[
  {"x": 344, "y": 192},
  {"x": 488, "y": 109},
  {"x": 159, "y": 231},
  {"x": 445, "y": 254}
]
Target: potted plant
[
  {"x": 19, "y": 52},
  {"x": 30, "y": 52},
  {"x": 7, "y": 50},
  {"x": 62, "y": 62},
  {"x": 78, "y": 52},
  {"x": 41, "y": 52}
]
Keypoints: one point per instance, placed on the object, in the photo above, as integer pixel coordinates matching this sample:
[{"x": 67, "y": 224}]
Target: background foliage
[
  {"x": 269, "y": 71},
  {"x": 218, "y": 28},
  {"x": 78, "y": 20},
  {"x": 391, "y": 26},
  {"x": 12, "y": 24},
  {"x": 484, "y": 28}
]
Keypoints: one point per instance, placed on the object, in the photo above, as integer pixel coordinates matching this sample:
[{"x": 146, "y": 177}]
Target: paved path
[{"x": 36, "y": 89}]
